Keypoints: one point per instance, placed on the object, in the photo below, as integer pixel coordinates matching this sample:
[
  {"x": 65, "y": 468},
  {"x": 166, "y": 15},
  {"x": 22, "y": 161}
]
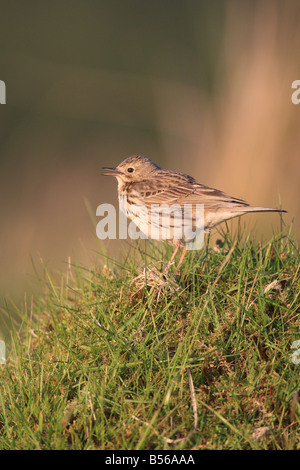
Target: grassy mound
[{"x": 129, "y": 358}]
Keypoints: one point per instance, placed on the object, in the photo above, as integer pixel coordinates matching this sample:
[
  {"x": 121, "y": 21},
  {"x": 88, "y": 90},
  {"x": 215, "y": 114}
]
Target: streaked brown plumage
[{"x": 145, "y": 183}]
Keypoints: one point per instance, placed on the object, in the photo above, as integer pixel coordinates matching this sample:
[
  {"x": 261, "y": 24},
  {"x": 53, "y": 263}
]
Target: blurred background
[{"x": 202, "y": 87}]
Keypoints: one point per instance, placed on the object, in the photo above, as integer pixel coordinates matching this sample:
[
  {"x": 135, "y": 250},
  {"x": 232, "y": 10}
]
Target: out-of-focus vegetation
[{"x": 200, "y": 87}]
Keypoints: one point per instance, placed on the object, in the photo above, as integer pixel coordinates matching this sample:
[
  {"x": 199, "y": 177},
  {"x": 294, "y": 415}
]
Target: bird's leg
[
  {"x": 172, "y": 257},
  {"x": 181, "y": 259}
]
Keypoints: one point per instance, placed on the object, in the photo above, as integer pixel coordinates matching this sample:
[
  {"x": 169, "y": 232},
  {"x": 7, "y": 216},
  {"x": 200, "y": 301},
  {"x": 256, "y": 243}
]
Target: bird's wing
[
  {"x": 185, "y": 193},
  {"x": 211, "y": 198}
]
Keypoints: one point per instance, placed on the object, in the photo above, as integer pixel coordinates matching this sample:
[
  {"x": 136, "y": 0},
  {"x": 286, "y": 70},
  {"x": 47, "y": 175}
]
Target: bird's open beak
[{"x": 110, "y": 171}]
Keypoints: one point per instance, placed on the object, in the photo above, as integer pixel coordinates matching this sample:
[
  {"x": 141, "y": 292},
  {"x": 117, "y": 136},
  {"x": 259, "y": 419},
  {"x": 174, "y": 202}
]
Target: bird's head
[{"x": 135, "y": 168}]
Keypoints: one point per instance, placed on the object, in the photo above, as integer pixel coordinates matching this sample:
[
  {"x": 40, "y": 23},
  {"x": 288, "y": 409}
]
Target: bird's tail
[{"x": 257, "y": 209}]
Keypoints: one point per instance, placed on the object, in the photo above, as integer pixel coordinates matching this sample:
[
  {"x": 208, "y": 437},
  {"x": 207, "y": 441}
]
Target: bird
[{"x": 143, "y": 184}]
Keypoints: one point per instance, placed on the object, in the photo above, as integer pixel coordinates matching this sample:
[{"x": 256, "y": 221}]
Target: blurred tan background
[{"x": 203, "y": 87}]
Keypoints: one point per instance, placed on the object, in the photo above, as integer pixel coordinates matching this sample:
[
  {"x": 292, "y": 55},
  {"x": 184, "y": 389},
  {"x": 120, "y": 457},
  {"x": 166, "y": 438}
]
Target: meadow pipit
[{"x": 143, "y": 184}]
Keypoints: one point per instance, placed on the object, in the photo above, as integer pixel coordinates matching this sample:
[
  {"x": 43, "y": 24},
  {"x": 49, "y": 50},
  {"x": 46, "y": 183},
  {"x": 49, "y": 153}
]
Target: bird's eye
[{"x": 130, "y": 170}]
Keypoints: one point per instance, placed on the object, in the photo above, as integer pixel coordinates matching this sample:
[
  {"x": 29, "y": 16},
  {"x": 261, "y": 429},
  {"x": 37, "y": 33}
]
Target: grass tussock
[{"x": 124, "y": 358}]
